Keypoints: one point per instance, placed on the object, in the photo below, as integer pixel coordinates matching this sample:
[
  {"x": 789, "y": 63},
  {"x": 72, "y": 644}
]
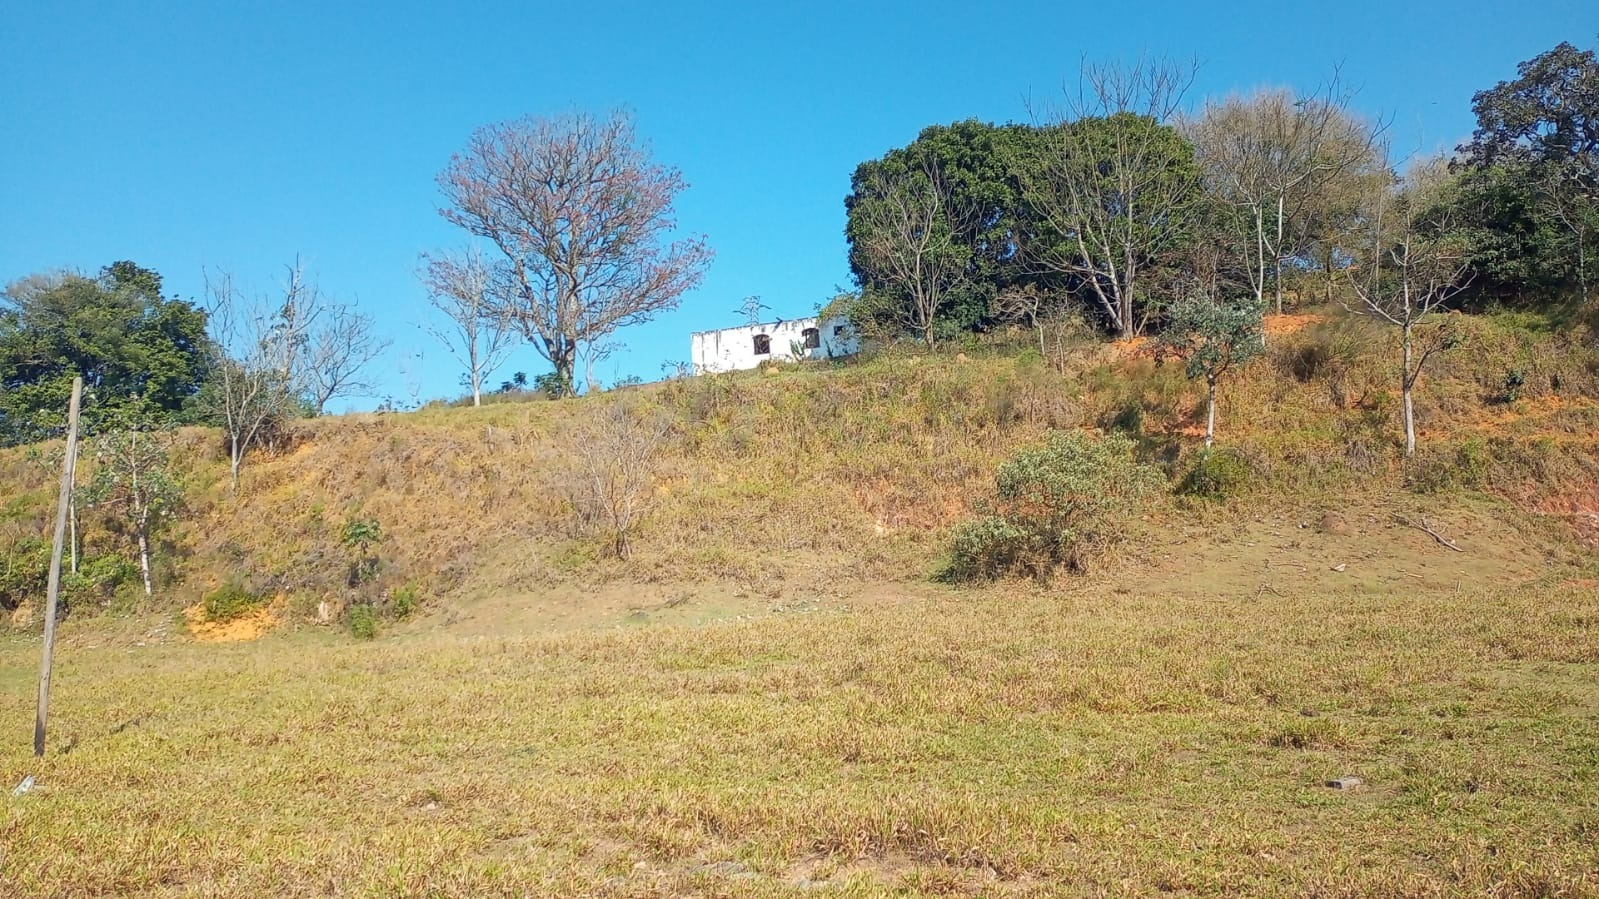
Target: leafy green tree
[
  {"x": 977, "y": 169},
  {"x": 1212, "y": 337},
  {"x": 1549, "y": 113},
  {"x": 1528, "y": 198},
  {"x": 135, "y": 482},
  {"x": 138, "y": 352}
]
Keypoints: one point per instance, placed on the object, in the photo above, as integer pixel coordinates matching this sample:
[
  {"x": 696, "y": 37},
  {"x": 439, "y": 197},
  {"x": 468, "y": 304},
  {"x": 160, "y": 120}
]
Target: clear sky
[{"x": 240, "y": 135}]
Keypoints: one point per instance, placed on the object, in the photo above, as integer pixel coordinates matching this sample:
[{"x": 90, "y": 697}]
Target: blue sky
[{"x": 241, "y": 135}]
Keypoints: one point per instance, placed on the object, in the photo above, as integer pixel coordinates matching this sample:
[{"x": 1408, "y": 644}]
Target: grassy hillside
[
  {"x": 772, "y": 698},
  {"x": 796, "y": 478}
]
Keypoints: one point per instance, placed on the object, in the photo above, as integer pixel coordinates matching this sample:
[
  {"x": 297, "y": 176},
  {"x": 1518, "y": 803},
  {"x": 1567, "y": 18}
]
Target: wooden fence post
[{"x": 68, "y": 465}]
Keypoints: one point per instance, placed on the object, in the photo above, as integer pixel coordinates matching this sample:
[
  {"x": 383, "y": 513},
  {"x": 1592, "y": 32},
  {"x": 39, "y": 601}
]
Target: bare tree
[
  {"x": 593, "y": 354},
  {"x": 335, "y": 360},
  {"x": 582, "y": 216},
  {"x": 611, "y": 480},
  {"x": 1270, "y": 156},
  {"x": 1118, "y": 184},
  {"x": 1416, "y": 266},
  {"x": 458, "y": 286},
  {"x": 321, "y": 347},
  {"x": 910, "y": 225},
  {"x": 252, "y": 392}
]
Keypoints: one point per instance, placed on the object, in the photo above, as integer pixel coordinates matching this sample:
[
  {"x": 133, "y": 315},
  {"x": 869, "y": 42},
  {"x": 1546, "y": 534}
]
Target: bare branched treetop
[
  {"x": 910, "y": 222},
  {"x": 1273, "y": 158},
  {"x": 1118, "y": 184},
  {"x": 458, "y": 285},
  {"x": 584, "y": 221},
  {"x": 1152, "y": 88}
]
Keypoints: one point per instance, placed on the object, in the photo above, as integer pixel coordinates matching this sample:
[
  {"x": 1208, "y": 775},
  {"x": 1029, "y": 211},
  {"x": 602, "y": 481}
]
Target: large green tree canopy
[
  {"x": 1019, "y": 198},
  {"x": 1528, "y": 197},
  {"x": 140, "y": 354},
  {"x": 979, "y": 166}
]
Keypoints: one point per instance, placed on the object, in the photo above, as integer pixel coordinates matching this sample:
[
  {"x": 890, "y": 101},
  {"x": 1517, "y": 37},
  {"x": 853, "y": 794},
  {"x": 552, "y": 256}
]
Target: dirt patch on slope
[{"x": 250, "y": 626}]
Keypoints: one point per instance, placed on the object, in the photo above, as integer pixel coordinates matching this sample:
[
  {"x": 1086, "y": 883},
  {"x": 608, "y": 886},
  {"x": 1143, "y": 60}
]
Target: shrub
[
  {"x": 1055, "y": 505},
  {"x": 610, "y": 478},
  {"x": 24, "y": 569},
  {"x": 1216, "y": 475},
  {"x": 1515, "y": 381},
  {"x": 98, "y": 578},
  {"x": 229, "y": 601},
  {"x": 359, "y": 536},
  {"x": 404, "y": 601},
  {"x": 362, "y": 621}
]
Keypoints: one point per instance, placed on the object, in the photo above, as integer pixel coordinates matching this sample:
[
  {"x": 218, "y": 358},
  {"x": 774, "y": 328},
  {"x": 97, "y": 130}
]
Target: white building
[{"x": 731, "y": 349}]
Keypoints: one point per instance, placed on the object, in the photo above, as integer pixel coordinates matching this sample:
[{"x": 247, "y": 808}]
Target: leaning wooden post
[{"x": 54, "y": 591}]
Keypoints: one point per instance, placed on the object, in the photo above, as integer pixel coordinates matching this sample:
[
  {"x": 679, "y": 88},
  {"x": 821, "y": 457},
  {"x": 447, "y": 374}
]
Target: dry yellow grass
[{"x": 1169, "y": 729}]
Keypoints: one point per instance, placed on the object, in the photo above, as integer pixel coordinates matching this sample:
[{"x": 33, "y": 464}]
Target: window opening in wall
[
  {"x": 838, "y": 330},
  {"x": 813, "y": 338},
  {"x": 763, "y": 344}
]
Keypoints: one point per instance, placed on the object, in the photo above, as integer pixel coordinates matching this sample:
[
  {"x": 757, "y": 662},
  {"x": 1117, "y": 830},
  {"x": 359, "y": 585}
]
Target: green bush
[
  {"x": 1215, "y": 474},
  {"x": 25, "y": 574},
  {"x": 24, "y": 570},
  {"x": 404, "y": 600},
  {"x": 229, "y": 601},
  {"x": 360, "y": 536},
  {"x": 363, "y": 623},
  {"x": 98, "y": 578},
  {"x": 1515, "y": 381},
  {"x": 1058, "y": 505}
]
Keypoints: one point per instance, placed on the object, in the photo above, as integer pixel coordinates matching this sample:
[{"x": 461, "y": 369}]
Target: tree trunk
[
  {"x": 144, "y": 561},
  {"x": 477, "y": 389},
  {"x": 565, "y": 362},
  {"x": 1327, "y": 267},
  {"x": 234, "y": 457},
  {"x": 1406, "y": 382},
  {"x": 1277, "y": 257},
  {"x": 1410, "y": 425},
  {"x": 1582, "y": 265},
  {"x": 72, "y": 527},
  {"x": 1260, "y": 256},
  {"x": 1210, "y": 412}
]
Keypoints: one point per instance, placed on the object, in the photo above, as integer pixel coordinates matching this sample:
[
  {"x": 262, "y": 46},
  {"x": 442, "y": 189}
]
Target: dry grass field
[
  {"x": 1170, "y": 731},
  {"x": 774, "y": 699}
]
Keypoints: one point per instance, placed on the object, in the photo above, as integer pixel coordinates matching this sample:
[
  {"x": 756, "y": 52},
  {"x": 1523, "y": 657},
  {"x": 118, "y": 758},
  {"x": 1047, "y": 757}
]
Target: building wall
[{"x": 731, "y": 349}]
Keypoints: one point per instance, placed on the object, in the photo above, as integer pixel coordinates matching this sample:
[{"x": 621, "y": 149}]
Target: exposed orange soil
[
  {"x": 1277, "y": 325},
  {"x": 245, "y": 627}
]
